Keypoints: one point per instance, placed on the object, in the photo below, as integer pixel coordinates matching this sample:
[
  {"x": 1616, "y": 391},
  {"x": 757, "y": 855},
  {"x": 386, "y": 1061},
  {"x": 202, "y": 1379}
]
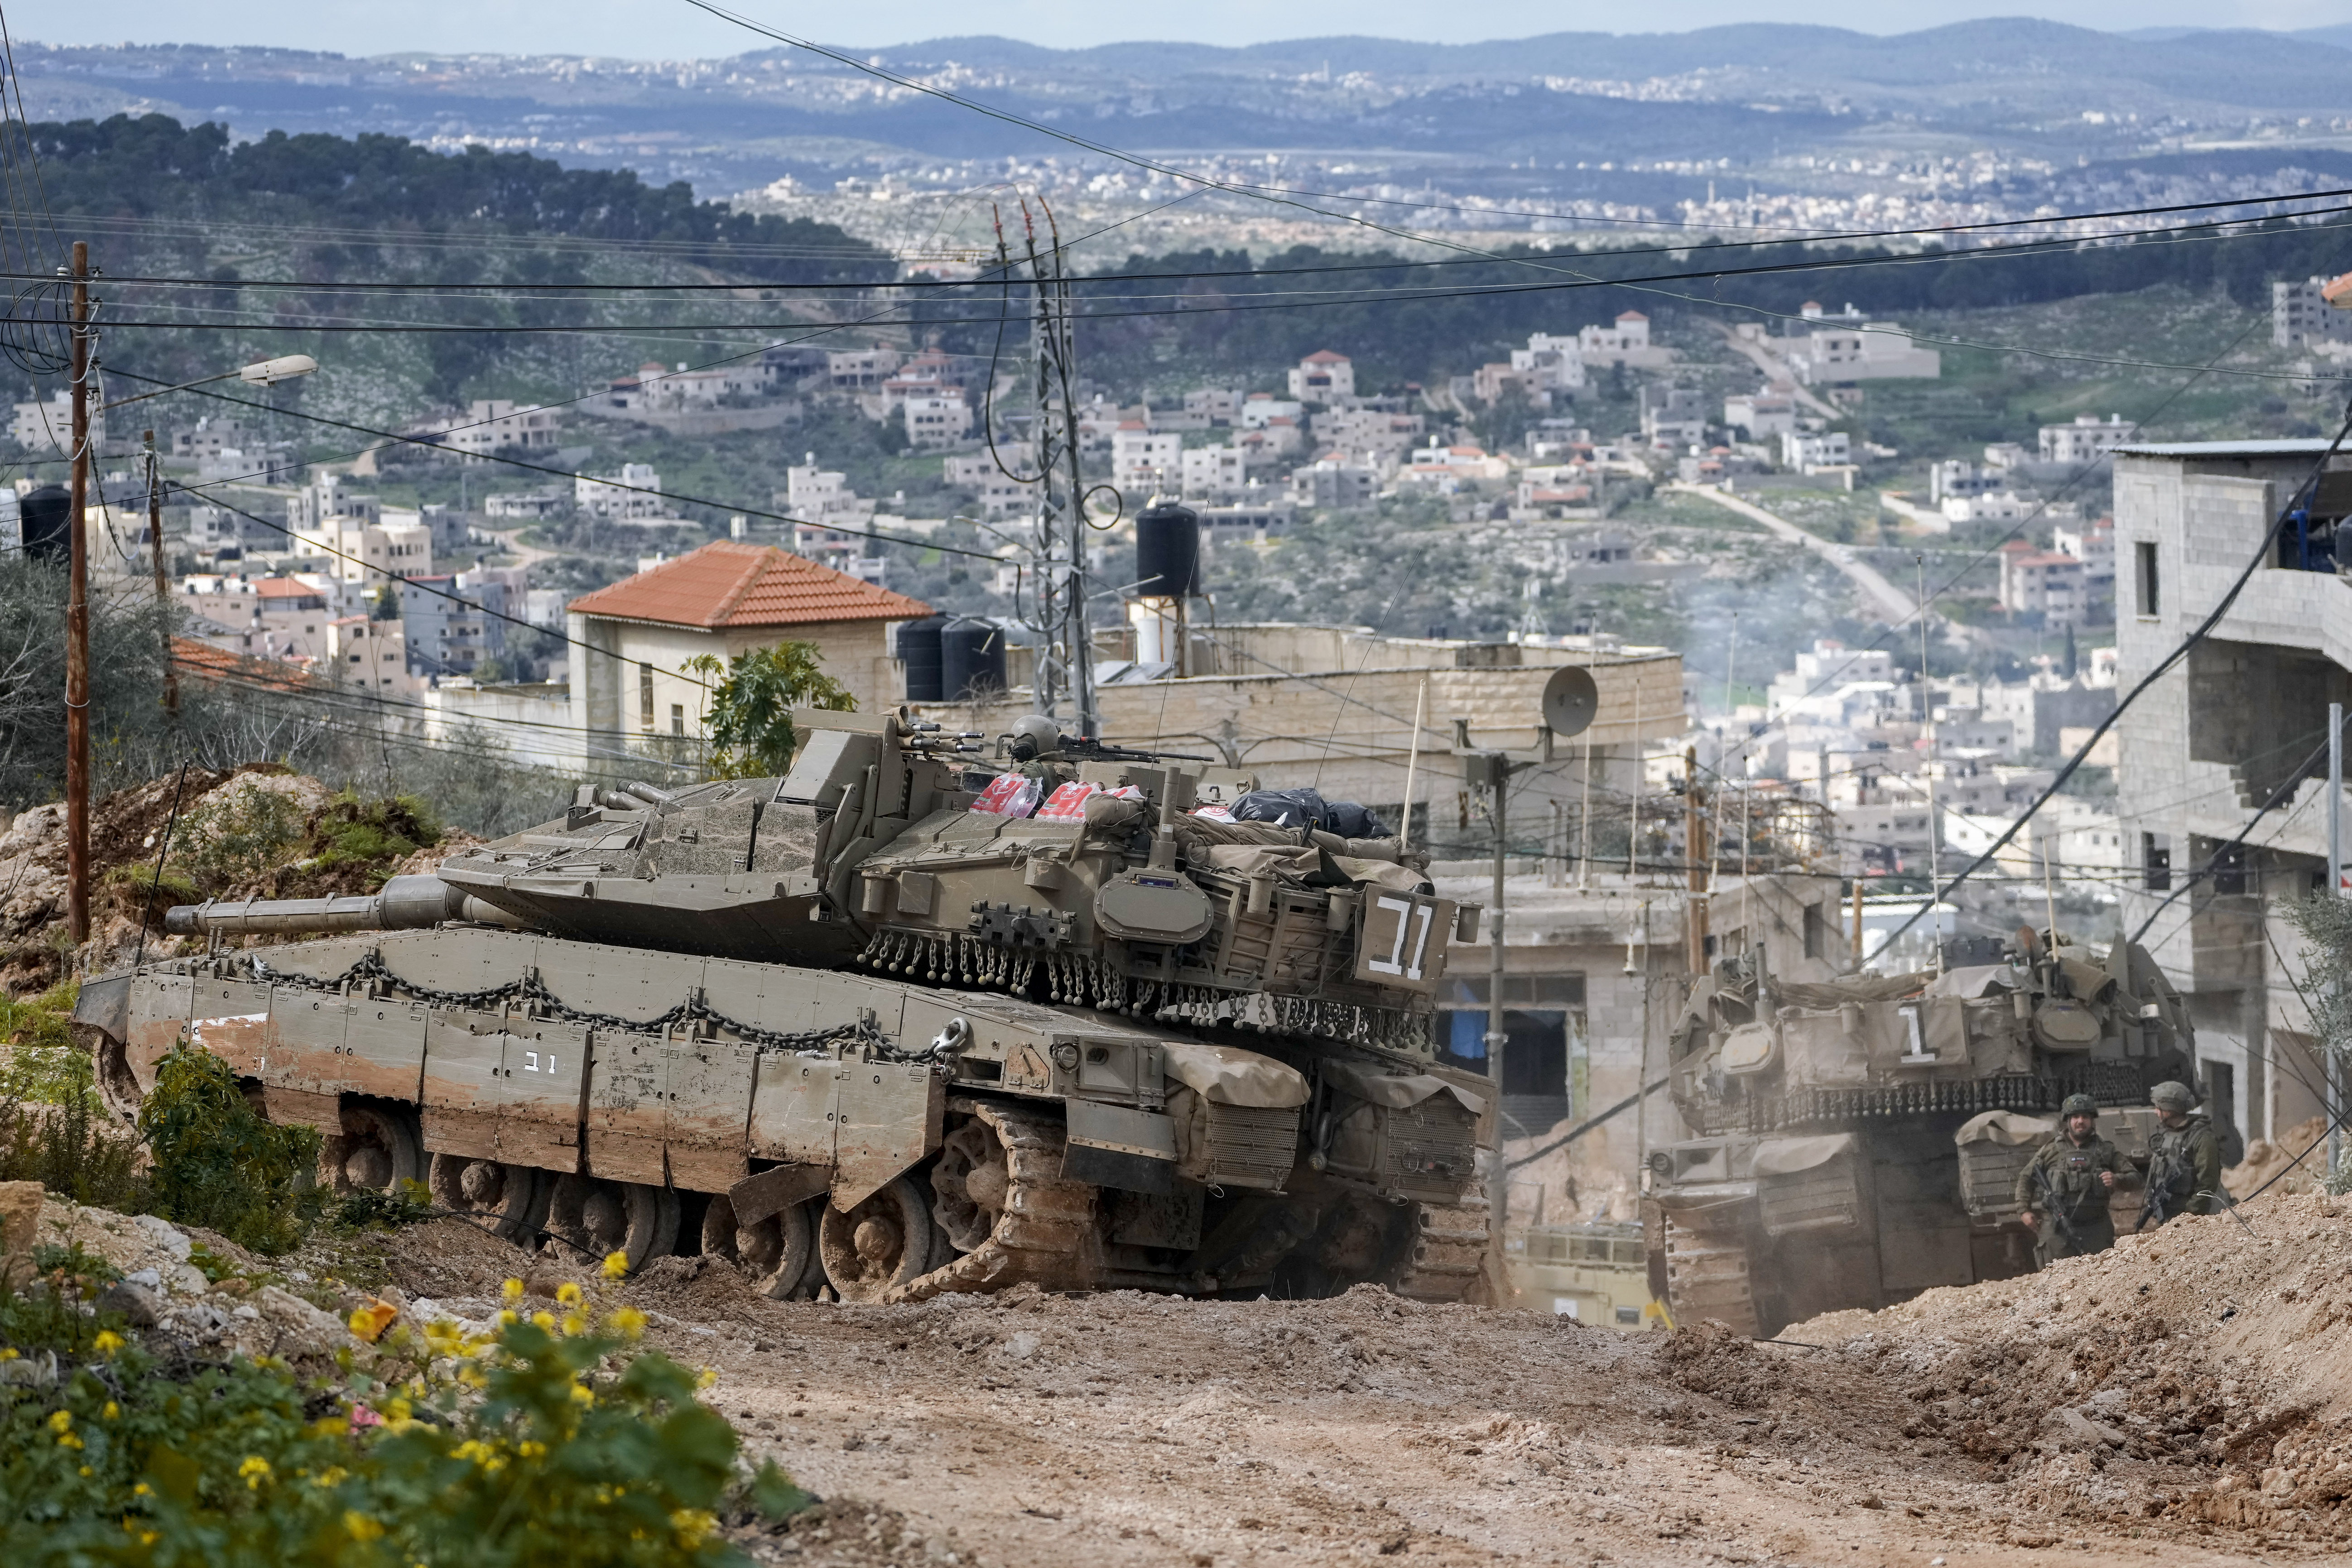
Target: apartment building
[
  {"x": 2302, "y": 318},
  {"x": 2046, "y": 583},
  {"x": 2086, "y": 439},
  {"x": 1323, "y": 378},
  {"x": 623, "y": 496}
]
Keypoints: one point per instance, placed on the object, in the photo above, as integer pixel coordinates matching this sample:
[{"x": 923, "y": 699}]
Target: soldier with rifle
[
  {"x": 2064, "y": 1188},
  {"x": 2184, "y": 1166}
]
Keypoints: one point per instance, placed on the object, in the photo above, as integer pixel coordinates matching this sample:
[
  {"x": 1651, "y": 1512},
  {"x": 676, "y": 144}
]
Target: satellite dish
[{"x": 1570, "y": 700}]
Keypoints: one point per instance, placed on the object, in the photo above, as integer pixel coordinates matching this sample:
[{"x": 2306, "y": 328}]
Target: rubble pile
[{"x": 2200, "y": 1374}]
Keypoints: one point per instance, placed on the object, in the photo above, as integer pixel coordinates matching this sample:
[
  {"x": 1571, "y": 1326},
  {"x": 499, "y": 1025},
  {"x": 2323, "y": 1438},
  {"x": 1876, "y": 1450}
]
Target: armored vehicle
[
  {"x": 1861, "y": 1136},
  {"x": 902, "y": 1022}
]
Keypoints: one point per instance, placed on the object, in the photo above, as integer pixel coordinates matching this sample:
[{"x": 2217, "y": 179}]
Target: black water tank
[
  {"x": 919, "y": 650},
  {"x": 1168, "y": 553},
  {"x": 971, "y": 660},
  {"x": 46, "y": 516}
]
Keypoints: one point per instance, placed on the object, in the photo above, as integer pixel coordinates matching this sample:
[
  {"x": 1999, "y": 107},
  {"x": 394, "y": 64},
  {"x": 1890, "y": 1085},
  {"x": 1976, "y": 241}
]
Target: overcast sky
[{"x": 671, "y": 29}]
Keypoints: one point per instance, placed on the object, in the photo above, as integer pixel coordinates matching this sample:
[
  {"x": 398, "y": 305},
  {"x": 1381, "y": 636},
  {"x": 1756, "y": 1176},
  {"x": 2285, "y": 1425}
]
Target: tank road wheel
[
  {"x": 775, "y": 1252},
  {"x": 1707, "y": 1274},
  {"x": 601, "y": 1218},
  {"x": 970, "y": 1182},
  {"x": 512, "y": 1198},
  {"x": 882, "y": 1243},
  {"x": 380, "y": 1145}
]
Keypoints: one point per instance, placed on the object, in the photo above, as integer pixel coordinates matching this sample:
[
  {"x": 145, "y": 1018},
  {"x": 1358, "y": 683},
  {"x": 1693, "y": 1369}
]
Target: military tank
[
  {"x": 919, "y": 1017},
  {"x": 1860, "y": 1137}
]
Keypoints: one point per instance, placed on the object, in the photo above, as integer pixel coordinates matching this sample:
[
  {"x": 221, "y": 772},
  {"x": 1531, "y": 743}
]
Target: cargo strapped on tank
[{"x": 369, "y": 965}]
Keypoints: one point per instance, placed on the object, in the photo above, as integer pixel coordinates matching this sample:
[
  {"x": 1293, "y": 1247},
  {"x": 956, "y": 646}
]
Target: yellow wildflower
[
  {"x": 111, "y": 1411},
  {"x": 707, "y": 1378},
  {"x": 575, "y": 1323},
  {"x": 86, "y": 1471},
  {"x": 583, "y": 1395},
  {"x": 9, "y": 1354},
  {"x": 69, "y": 1441},
  {"x": 255, "y": 1471},
  {"x": 693, "y": 1526},
  {"x": 511, "y": 1290},
  {"x": 617, "y": 1265},
  {"x": 568, "y": 1293},
  {"x": 107, "y": 1343},
  {"x": 61, "y": 1421},
  {"x": 142, "y": 1490},
  {"x": 545, "y": 1321},
  {"x": 628, "y": 1322},
  {"x": 531, "y": 1450},
  {"x": 368, "y": 1321},
  {"x": 359, "y": 1526},
  {"x": 506, "y": 1318}
]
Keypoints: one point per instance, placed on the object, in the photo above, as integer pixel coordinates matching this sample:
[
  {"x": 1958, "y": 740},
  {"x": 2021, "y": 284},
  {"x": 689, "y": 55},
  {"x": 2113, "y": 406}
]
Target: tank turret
[
  {"x": 925, "y": 1014},
  {"x": 1845, "y": 1159}
]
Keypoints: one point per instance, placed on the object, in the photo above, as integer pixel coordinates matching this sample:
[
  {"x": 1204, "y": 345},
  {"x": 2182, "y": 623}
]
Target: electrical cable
[
  {"x": 2204, "y": 629},
  {"x": 584, "y": 289},
  {"x": 2278, "y": 796}
]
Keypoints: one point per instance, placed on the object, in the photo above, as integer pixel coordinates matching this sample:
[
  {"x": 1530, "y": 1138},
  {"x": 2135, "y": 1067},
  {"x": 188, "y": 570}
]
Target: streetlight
[{"x": 262, "y": 373}]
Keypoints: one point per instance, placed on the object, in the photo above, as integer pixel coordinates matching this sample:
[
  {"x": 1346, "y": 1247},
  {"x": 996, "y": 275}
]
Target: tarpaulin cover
[
  {"x": 1302, "y": 863},
  {"x": 1231, "y": 1077},
  {"x": 1787, "y": 1156},
  {"x": 2013, "y": 1127},
  {"x": 1398, "y": 1092}
]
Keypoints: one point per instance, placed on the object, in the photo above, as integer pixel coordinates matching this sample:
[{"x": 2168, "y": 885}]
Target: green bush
[
  {"x": 218, "y": 1163},
  {"x": 235, "y": 834},
  {"x": 546, "y": 1444},
  {"x": 377, "y": 833}
]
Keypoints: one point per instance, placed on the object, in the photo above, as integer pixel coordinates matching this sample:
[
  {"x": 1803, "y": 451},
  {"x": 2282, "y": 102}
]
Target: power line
[
  {"x": 1341, "y": 298},
  {"x": 586, "y": 290}
]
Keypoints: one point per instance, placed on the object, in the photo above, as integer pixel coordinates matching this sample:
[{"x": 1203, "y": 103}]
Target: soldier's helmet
[
  {"x": 2079, "y": 1105},
  {"x": 2171, "y": 1096}
]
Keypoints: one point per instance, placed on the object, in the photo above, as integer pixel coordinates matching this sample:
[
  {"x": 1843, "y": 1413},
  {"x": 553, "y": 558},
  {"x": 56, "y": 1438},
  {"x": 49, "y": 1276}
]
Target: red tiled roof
[
  {"x": 730, "y": 584},
  {"x": 287, "y": 588},
  {"x": 204, "y": 661},
  {"x": 1324, "y": 356}
]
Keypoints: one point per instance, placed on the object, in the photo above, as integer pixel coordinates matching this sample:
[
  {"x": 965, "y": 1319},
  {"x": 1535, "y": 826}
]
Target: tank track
[
  {"x": 1707, "y": 1275},
  {"x": 1044, "y": 1234},
  {"x": 1445, "y": 1255}
]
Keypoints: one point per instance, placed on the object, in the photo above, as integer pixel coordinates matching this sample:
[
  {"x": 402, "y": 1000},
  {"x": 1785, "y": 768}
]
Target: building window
[
  {"x": 1816, "y": 928},
  {"x": 2156, "y": 862},
  {"x": 677, "y": 718},
  {"x": 2152, "y": 597},
  {"x": 645, "y": 695}
]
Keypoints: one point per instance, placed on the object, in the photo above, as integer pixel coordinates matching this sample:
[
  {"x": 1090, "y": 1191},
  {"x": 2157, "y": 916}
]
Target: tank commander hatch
[{"x": 2066, "y": 1186}]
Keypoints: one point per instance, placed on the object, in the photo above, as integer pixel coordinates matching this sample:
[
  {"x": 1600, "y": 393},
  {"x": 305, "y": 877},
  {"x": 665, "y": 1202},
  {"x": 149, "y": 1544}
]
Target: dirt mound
[
  {"x": 2199, "y": 1372},
  {"x": 256, "y": 831},
  {"x": 2275, "y": 1160}
]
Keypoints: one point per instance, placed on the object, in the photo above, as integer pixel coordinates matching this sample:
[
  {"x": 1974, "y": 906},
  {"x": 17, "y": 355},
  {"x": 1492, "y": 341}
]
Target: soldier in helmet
[
  {"x": 2184, "y": 1166},
  {"x": 2066, "y": 1187}
]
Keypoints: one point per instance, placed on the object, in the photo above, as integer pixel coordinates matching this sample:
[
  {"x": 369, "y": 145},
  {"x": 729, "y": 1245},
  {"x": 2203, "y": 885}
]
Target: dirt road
[{"x": 1031, "y": 1429}]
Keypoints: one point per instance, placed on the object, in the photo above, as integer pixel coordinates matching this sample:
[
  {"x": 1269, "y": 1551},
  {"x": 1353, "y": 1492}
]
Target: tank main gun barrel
[{"x": 405, "y": 904}]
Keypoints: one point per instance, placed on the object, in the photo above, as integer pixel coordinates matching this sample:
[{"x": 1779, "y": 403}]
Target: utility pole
[
  {"x": 77, "y": 616},
  {"x": 1065, "y": 673},
  {"x": 2335, "y": 1074},
  {"x": 1491, "y": 771},
  {"x": 162, "y": 592},
  {"x": 1695, "y": 868}
]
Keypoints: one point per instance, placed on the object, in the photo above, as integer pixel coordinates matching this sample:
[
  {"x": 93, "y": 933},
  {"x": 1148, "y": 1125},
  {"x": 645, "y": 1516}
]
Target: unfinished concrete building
[{"x": 2237, "y": 727}]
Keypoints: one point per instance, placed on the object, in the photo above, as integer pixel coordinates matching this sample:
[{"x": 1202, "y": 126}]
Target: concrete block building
[{"x": 2239, "y": 724}]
